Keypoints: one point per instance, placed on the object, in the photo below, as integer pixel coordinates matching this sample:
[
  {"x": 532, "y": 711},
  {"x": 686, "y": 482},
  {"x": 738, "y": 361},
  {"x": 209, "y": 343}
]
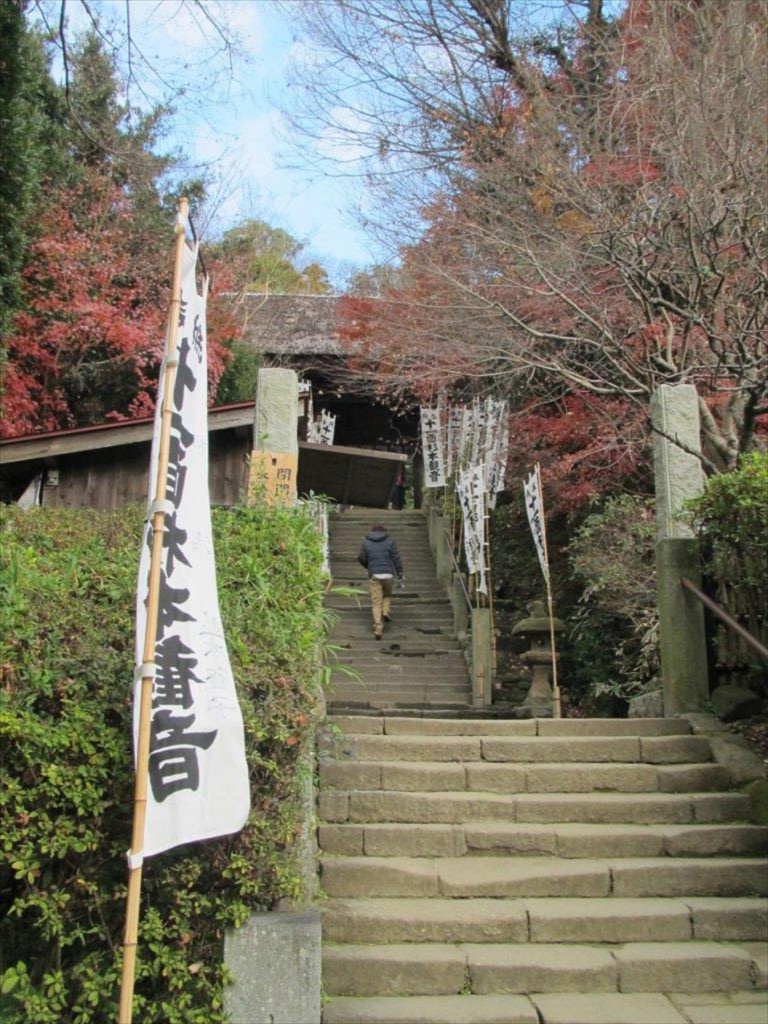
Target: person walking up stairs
[
  {"x": 419, "y": 663},
  {"x": 380, "y": 557}
]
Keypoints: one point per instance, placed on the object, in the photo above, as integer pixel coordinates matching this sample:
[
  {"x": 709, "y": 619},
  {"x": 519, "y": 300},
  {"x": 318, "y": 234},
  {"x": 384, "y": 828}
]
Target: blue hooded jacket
[{"x": 379, "y": 554}]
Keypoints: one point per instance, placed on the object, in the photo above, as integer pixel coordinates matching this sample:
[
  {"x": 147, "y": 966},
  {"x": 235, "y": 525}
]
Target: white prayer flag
[
  {"x": 471, "y": 489},
  {"x": 434, "y": 473},
  {"x": 326, "y": 428},
  {"x": 453, "y": 446},
  {"x": 535, "y": 509},
  {"x": 198, "y": 776}
]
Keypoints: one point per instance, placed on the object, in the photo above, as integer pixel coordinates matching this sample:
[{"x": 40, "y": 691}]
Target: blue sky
[{"x": 231, "y": 123}]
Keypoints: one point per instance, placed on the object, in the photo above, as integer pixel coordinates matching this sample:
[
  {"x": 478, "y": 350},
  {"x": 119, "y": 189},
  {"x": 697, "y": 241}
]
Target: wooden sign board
[{"x": 272, "y": 478}]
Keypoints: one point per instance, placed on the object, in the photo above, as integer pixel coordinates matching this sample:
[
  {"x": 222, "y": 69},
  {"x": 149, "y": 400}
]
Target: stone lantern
[{"x": 536, "y": 631}]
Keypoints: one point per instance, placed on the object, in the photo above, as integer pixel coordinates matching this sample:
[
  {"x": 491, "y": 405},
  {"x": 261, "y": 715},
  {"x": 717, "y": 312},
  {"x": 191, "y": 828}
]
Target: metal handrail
[
  {"x": 729, "y": 620},
  {"x": 458, "y": 570}
]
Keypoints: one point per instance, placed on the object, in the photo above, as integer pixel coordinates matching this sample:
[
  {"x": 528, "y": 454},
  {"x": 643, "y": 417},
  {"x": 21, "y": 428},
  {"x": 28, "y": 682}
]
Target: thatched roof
[{"x": 292, "y": 325}]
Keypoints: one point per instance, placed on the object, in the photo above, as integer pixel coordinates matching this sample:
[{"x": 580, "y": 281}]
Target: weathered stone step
[
  {"x": 447, "y": 663},
  {"x": 650, "y": 1008},
  {"x": 523, "y": 777},
  {"x": 497, "y": 877},
  {"x": 414, "y": 646},
  {"x": 405, "y": 707},
  {"x": 429, "y": 600},
  {"x": 549, "y": 840},
  {"x": 513, "y": 727},
  {"x": 500, "y": 749},
  {"x": 375, "y": 652},
  {"x": 375, "y": 680},
  {"x": 595, "y": 920},
  {"x": 462, "y": 1009},
  {"x": 485, "y": 969},
  {"x": 586, "y": 808},
  {"x": 380, "y": 697}
]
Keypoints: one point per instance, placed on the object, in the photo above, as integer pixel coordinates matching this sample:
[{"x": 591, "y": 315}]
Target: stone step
[
  {"x": 501, "y": 877},
  {"x": 651, "y": 1008},
  {"x": 553, "y": 748},
  {"x": 487, "y": 969},
  {"x": 548, "y": 840},
  {"x": 412, "y": 647},
  {"x": 585, "y": 808},
  {"x": 462, "y": 1009},
  {"x": 447, "y": 663},
  {"x": 381, "y": 653},
  {"x": 561, "y": 919},
  {"x": 382, "y": 697},
  {"x": 513, "y": 727},
  {"x": 366, "y": 677},
  {"x": 748, "y": 1007},
  {"x": 523, "y": 777},
  {"x": 348, "y": 706}
]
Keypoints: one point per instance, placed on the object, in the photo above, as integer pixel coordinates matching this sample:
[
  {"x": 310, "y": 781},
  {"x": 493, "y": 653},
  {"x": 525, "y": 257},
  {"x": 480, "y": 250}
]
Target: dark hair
[{"x": 378, "y": 526}]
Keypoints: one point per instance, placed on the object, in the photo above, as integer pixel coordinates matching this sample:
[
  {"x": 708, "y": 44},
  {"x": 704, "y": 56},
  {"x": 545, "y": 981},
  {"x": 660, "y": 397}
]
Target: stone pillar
[
  {"x": 482, "y": 658},
  {"x": 460, "y": 606},
  {"x": 275, "y": 456},
  {"x": 678, "y": 475},
  {"x": 275, "y": 961}
]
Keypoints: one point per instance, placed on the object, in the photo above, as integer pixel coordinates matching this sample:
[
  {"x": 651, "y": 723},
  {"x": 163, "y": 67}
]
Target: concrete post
[
  {"x": 678, "y": 475},
  {"x": 275, "y": 961},
  {"x": 275, "y": 458},
  {"x": 460, "y": 607},
  {"x": 482, "y": 660}
]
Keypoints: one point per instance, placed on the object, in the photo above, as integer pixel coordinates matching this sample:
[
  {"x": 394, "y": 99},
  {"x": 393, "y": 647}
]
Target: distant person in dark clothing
[
  {"x": 379, "y": 555},
  {"x": 398, "y": 495}
]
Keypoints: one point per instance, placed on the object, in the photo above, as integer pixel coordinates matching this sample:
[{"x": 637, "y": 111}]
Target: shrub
[
  {"x": 731, "y": 518},
  {"x": 615, "y": 630},
  {"x": 66, "y": 664}
]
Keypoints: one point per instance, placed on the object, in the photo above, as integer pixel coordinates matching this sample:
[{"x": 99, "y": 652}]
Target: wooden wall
[{"x": 118, "y": 476}]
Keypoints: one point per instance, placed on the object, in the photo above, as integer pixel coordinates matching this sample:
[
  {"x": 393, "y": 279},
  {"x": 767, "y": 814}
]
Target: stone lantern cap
[{"x": 537, "y": 621}]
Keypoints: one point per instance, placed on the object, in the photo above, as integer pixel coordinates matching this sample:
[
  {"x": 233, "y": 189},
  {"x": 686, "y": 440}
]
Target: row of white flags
[
  {"x": 198, "y": 777},
  {"x": 473, "y": 444},
  {"x": 460, "y": 437},
  {"x": 321, "y": 429},
  {"x": 470, "y": 444}
]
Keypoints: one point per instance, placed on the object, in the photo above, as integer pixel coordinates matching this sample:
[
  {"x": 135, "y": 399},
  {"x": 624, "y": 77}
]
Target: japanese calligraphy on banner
[
  {"x": 455, "y": 439},
  {"x": 496, "y": 482},
  {"x": 471, "y": 489},
  {"x": 323, "y": 429},
  {"x": 434, "y": 474},
  {"x": 198, "y": 778},
  {"x": 534, "y": 506}
]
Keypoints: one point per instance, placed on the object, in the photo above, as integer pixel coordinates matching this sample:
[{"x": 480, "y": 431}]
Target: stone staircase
[
  {"x": 418, "y": 663},
  {"x": 545, "y": 872}
]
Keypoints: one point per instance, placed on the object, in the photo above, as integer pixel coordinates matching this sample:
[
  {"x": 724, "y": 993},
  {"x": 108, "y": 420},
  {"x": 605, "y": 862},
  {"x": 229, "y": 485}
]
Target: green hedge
[{"x": 67, "y": 582}]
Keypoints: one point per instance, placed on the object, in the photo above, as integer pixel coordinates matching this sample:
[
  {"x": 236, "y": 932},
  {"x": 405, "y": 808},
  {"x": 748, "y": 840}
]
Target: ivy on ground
[{"x": 67, "y": 586}]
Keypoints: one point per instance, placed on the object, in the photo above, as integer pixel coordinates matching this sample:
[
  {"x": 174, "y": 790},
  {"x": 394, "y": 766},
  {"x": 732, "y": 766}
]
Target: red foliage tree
[{"x": 87, "y": 346}]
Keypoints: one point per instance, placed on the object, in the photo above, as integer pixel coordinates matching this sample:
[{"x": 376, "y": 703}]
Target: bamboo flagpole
[
  {"x": 135, "y": 858},
  {"x": 192, "y": 778},
  {"x": 534, "y": 506}
]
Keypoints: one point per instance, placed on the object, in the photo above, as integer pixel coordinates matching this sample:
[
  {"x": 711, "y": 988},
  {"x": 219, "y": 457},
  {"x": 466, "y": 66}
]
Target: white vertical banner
[
  {"x": 500, "y": 462},
  {"x": 455, "y": 423},
  {"x": 478, "y": 433},
  {"x": 305, "y": 404},
  {"x": 471, "y": 488},
  {"x": 198, "y": 776},
  {"x": 326, "y": 428},
  {"x": 535, "y": 509},
  {"x": 434, "y": 472}
]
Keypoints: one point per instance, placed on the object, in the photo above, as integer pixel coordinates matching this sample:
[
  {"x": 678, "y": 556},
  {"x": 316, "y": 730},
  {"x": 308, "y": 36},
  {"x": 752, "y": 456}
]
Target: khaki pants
[{"x": 381, "y": 592}]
